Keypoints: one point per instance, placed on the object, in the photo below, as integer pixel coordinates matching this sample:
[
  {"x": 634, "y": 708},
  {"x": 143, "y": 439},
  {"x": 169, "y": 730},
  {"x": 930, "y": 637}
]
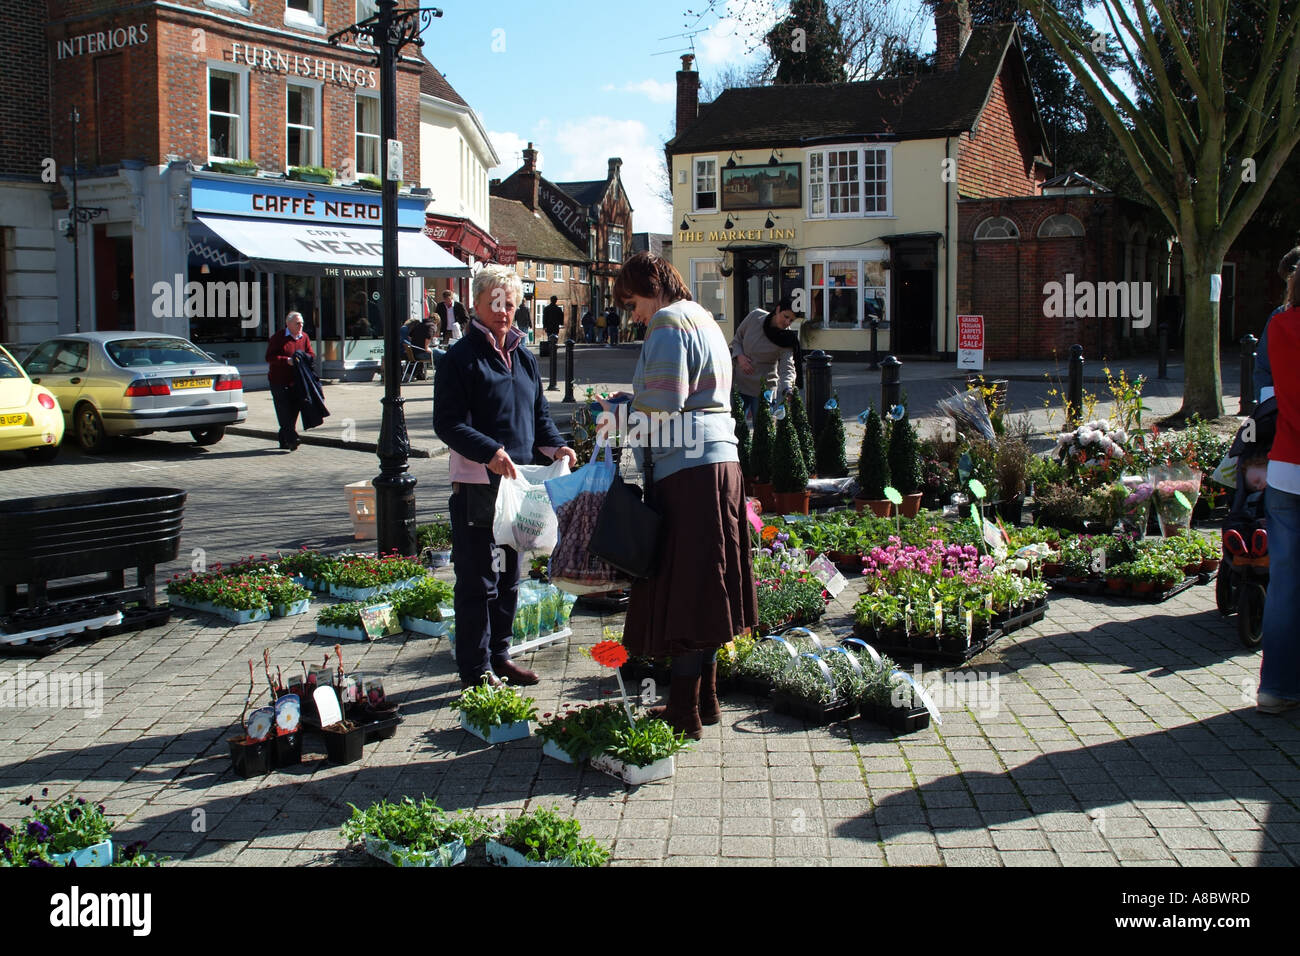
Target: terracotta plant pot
[
  {"x": 1209, "y": 565},
  {"x": 791, "y": 502},
  {"x": 883, "y": 508},
  {"x": 911, "y": 505},
  {"x": 1143, "y": 587},
  {"x": 1116, "y": 584},
  {"x": 763, "y": 492}
]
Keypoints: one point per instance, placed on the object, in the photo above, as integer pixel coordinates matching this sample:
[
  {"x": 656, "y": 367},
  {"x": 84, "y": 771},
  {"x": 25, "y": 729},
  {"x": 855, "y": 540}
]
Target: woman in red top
[
  {"x": 1279, "y": 673},
  {"x": 283, "y": 379}
]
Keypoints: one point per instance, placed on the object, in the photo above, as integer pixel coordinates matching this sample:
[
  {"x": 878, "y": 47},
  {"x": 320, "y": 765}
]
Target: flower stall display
[
  {"x": 888, "y": 696},
  {"x": 788, "y": 593},
  {"x": 425, "y": 607},
  {"x": 495, "y": 714},
  {"x": 1093, "y": 443},
  {"x": 361, "y": 577},
  {"x": 342, "y": 621},
  {"x": 311, "y": 569},
  {"x": 238, "y": 598},
  {"x": 580, "y": 732},
  {"x": 758, "y": 670},
  {"x": 1176, "y": 489},
  {"x": 640, "y": 752},
  {"x": 415, "y": 833},
  {"x": 71, "y": 832},
  {"x": 543, "y": 837},
  {"x": 434, "y": 542},
  {"x": 818, "y": 689}
]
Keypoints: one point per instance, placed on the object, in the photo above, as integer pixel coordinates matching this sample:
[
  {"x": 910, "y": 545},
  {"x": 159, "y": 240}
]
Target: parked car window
[
  {"x": 8, "y": 368},
  {"x": 58, "y": 357},
  {"x": 139, "y": 353}
]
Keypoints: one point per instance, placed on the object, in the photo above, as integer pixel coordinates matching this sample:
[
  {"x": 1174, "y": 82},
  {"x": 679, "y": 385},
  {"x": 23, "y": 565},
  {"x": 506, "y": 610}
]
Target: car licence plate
[
  {"x": 191, "y": 383},
  {"x": 13, "y": 420}
]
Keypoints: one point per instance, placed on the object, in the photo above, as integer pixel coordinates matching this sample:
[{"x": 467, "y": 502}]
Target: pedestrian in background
[
  {"x": 766, "y": 353},
  {"x": 1263, "y": 369},
  {"x": 612, "y": 322},
  {"x": 283, "y": 378},
  {"x": 1279, "y": 672},
  {"x": 588, "y": 327},
  {"x": 553, "y": 317},
  {"x": 491, "y": 413},
  {"x": 701, "y": 594}
]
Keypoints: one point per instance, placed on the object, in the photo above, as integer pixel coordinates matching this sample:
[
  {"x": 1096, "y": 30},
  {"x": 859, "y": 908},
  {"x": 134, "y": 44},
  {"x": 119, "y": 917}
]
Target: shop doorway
[
  {"x": 114, "y": 281},
  {"x": 914, "y": 317}
]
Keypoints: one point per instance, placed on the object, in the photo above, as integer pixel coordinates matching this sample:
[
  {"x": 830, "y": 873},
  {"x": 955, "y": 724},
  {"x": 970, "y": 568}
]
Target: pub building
[{"x": 202, "y": 126}]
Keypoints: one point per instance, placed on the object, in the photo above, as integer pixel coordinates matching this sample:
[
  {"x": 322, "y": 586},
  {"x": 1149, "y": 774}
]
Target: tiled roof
[
  {"x": 435, "y": 84},
  {"x": 587, "y": 193},
  {"x": 913, "y": 107},
  {"x": 534, "y": 233}
]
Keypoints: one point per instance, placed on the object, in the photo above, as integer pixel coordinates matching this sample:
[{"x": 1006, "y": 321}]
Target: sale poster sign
[{"x": 970, "y": 342}]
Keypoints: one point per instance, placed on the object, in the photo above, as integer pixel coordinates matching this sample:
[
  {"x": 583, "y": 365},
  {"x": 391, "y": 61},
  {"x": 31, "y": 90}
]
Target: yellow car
[{"x": 30, "y": 418}]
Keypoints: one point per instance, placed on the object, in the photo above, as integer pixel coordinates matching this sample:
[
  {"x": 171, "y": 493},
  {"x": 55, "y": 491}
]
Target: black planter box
[
  {"x": 742, "y": 684},
  {"x": 286, "y": 749},
  {"x": 1023, "y": 619},
  {"x": 900, "y": 720},
  {"x": 923, "y": 642},
  {"x": 813, "y": 713},
  {"x": 344, "y": 747},
  {"x": 250, "y": 760}
]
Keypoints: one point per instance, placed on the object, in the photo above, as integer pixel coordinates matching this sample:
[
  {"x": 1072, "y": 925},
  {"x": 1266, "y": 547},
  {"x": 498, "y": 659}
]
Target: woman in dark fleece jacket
[{"x": 491, "y": 413}]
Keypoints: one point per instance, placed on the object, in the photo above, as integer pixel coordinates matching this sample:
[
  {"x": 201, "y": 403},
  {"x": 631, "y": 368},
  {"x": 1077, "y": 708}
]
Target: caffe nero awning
[{"x": 325, "y": 249}]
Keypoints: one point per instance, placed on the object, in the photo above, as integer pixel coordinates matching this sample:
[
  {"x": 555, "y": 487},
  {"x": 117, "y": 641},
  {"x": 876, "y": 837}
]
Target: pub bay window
[
  {"x": 368, "y": 136},
  {"x": 708, "y": 287},
  {"x": 706, "y": 185},
  {"x": 846, "y": 293},
  {"x": 849, "y": 183},
  {"x": 300, "y": 126},
  {"x": 225, "y": 120}
]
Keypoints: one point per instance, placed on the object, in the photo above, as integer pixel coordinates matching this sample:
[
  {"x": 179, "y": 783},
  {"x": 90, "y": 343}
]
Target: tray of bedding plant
[{"x": 751, "y": 665}]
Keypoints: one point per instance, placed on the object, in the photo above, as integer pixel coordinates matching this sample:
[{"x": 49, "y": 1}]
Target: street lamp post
[
  {"x": 77, "y": 214},
  {"x": 389, "y": 30}
]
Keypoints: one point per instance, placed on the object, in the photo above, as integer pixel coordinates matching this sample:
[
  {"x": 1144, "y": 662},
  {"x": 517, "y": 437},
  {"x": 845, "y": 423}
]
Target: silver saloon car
[{"x": 134, "y": 383}]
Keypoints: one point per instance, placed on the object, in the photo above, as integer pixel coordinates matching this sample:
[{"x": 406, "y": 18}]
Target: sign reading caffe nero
[{"x": 295, "y": 64}]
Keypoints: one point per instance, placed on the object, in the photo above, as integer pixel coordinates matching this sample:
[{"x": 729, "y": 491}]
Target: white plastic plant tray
[
  {"x": 58, "y": 630},
  {"x": 563, "y": 635}
]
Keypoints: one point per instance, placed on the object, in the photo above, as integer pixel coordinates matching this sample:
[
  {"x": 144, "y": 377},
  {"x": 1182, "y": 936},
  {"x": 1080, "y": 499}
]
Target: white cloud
[
  {"x": 575, "y": 157},
  {"x": 655, "y": 91},
  {"x": 510, "y": 149},
  {"x": 737, "y": 34}
]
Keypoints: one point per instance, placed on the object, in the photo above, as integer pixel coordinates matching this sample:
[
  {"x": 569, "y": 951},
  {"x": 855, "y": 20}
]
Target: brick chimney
[
  {"x": 530, "y": 176},
  {"x": 615, "y": 164},
  {"x": 688, "y": 95},
  {"x": 952, "y": 27}
]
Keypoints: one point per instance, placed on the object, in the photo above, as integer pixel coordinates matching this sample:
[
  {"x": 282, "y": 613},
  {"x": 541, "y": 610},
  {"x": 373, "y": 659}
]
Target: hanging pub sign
[{"x": 762, "y": 187}]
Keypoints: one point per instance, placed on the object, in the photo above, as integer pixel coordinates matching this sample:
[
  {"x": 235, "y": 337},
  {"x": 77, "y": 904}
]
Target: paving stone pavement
[{"x": 1108, "y": 734}]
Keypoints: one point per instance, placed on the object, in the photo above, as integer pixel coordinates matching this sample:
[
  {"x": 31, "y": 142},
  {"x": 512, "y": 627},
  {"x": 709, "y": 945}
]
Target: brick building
[
  {"x": 180, "y": 102},
  {"x": 547, "y": 261},
  {"x": 29, "y": 286},
  {"x": 595, "y": 215}
]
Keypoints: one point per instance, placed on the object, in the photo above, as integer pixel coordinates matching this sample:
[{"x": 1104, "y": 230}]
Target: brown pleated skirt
[{"x": 702, "y": 594}]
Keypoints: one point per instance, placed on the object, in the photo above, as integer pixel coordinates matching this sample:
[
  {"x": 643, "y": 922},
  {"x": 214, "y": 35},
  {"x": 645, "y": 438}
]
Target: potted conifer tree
[
  {"x": 905, "y": 465},
  {"x": 803, "y": 430},
  {"x": 760, "y": 454},
  {"x": 743, "y": 443},
  {"x": 831, "y": 460},
  {"x": 873, "y": 469},
  {"x": 789, "y": 473}
]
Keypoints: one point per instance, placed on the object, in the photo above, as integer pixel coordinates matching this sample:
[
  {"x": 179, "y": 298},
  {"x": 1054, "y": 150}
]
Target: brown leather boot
[
  {"x": 710, "y": 710},
  {"x": 683, "y": 710}
]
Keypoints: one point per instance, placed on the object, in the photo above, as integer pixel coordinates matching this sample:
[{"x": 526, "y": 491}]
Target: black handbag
[{"x": 626, "y": 535}]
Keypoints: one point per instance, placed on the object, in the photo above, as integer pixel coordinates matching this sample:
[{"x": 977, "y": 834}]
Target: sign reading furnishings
[{"x": 296, "y": 64}]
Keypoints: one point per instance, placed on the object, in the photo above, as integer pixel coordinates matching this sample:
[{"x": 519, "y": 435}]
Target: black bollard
[
  {"x": 1074, "y": 391},
  {"x": 1248, "y": 345},
  {"x": 555, "y": 356},
  {"x": 817, "y": 388},
  {"x": 1162, "y": 363},
  {"x": 568, "y": 370},
  {"x": 891, "y": 383}
]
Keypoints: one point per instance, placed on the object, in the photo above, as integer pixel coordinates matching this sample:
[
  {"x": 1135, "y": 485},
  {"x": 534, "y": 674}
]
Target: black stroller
[{"x": 1242, "y": 586}]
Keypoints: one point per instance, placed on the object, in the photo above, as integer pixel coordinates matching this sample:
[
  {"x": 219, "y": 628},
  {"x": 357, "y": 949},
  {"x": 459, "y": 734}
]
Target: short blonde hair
[{"x": 497, "y": 277}]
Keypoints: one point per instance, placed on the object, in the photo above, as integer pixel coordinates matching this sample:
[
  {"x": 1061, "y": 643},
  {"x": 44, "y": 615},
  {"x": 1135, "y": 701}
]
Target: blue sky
[{"x": 580, "y": 80}]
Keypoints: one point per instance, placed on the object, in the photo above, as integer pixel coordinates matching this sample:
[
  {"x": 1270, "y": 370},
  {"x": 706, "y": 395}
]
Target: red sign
[
  {"x": 970, "y": 331},
  {"x": 507, "y": 255}
]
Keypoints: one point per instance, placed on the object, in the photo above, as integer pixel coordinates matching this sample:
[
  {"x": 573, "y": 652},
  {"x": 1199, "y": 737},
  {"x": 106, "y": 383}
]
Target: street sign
[
  {"x": 395, "y": 167},
  {"x": 970, "y": 342}
]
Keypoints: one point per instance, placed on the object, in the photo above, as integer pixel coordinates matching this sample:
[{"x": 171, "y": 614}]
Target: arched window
[
  {"x": 997, "y": 227},
  {"x": 1060, "y": 226}
]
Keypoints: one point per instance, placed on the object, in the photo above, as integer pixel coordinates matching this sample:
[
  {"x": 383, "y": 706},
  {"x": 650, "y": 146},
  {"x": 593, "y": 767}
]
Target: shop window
[
  {"x": 300, "y": 126},
  {"x": 997, "y": 227},
  {"x": 226, "y": 120},
  {"x": 367, "y": 135},
  {"x": 849, "y": 183},
  {"x": 1060, "y": 226},
  {"x": 706, "y": 185},
  {"x": 846, "y": 293}
]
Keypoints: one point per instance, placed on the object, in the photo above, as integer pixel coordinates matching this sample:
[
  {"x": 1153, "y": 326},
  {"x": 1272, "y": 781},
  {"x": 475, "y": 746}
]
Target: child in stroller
[{"x": 1242, "y": 585}]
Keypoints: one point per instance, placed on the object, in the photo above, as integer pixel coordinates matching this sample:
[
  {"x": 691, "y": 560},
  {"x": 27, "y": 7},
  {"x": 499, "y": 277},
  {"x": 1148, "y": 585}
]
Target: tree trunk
[{"x": 1202, "y": 385}]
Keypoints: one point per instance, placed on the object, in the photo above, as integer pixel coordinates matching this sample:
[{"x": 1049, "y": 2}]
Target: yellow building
[{"x": 844, "y": 196}]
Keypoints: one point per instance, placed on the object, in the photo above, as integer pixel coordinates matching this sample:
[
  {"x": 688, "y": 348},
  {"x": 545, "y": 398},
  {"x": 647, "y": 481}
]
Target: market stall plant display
[
  {"x": 545, "y": 838},
  {"x": 414, "y": 833},
  {"x": 496, "y": 714}
]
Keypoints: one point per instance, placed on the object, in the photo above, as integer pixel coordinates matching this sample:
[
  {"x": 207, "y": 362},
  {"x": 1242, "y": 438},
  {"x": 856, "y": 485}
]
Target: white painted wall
[
  {"x": 454, "y": 161},
  {"x": 31, "y": 286}
]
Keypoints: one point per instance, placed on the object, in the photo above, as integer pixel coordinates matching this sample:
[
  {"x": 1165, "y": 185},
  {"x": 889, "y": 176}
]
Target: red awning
[{"x": 461, "y": 238}]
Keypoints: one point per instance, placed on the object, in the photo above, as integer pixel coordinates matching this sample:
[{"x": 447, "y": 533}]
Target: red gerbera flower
[{"x": 609, "y": 654}]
